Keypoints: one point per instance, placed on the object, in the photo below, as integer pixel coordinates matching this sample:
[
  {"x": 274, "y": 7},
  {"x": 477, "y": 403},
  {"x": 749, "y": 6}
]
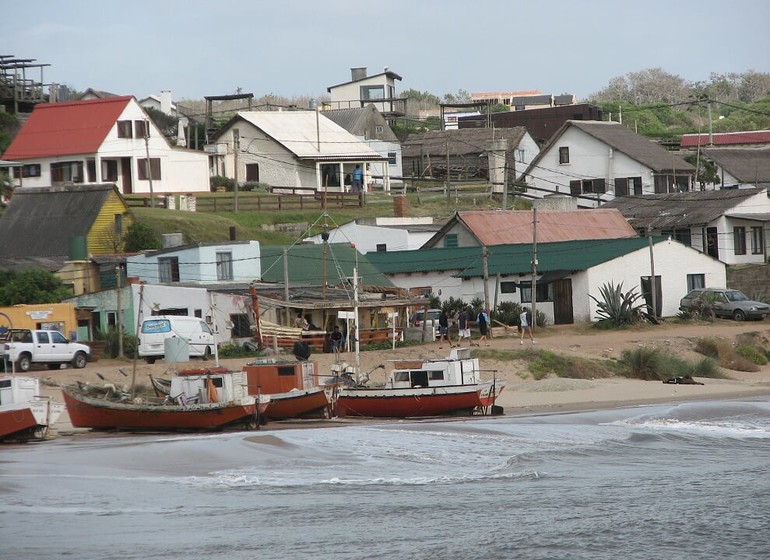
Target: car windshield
[{"x": 735, "y": 295}]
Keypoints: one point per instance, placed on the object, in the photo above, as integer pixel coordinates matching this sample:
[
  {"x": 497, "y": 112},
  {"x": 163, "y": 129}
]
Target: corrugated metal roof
[
  {"x": 509, "y": 259},
  {"x": 306, "y": 265},
  {"x": 59, "y": 129},
  {"x": 40, "y": 221},
  {"x": 460, "y": 141},
  {"x": 498, "y": 227},
  {"x": 310, "y": 136},
  {"x": 725, "y": 138},
  {"x": 360, "y": 122},
  {"x": 668, "y": 211},
  {"x": 748, "y": 165}
]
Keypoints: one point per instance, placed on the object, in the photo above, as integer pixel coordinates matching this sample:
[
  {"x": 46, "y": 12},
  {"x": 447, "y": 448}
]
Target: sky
[{"x": 294, "y": 48}]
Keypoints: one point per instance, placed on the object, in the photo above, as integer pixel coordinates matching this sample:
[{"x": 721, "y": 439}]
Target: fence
[
  {"x": 320, "y": 343},
  {"x": 260, "y": 202}
]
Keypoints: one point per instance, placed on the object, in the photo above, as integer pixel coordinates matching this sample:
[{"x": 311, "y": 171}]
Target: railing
[
  {"x": 261, "y": 202},
  {"x": 320, "y": 343}
]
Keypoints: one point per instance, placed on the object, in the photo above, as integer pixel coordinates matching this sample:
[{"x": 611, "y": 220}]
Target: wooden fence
[
  {"x": 320, "y": 343},
  {"x": 260, "y": 202}
]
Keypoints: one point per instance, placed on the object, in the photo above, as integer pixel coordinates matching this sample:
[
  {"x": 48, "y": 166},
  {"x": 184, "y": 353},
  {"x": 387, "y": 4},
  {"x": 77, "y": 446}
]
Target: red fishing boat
[
  {"x": 423, "y": 388},
  {"x": 291, "y": 385},
  {"x": 203, "y": 399},
  {"x": 24, "y": 414}
]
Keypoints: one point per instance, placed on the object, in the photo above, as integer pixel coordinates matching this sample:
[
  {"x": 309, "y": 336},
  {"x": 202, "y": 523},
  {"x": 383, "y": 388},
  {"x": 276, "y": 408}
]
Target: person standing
[
  {"x": 462, "y": 326},
  {"x": 358, "y": 179},
  {"x": 443, "y": 329},
  {"x": 525, "y": 320},
  {"x": 336, "y": 340},
  {"x": 483, "y": 322}
]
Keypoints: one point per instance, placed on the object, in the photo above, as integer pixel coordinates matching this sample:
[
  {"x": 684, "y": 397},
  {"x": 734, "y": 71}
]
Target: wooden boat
[
  {"x": 291, "y": 385},
  {"x": 424, "y": 388},
  {"x": 221, "y": 401},
  {"x": 161, "y": 386},
  {"x": 24, "y": 414}
]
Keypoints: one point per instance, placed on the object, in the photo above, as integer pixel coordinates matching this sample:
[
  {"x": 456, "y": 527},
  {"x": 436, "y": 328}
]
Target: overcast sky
[{"x": 298, "y": 47}]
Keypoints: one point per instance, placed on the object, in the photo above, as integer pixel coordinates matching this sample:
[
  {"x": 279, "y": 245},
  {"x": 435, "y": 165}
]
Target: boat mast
[{"x": 355, "y": 315}]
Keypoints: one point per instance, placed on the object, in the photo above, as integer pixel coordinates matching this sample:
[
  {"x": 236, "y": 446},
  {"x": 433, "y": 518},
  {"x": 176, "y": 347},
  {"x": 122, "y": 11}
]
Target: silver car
[{"x": 727, "y": 303}]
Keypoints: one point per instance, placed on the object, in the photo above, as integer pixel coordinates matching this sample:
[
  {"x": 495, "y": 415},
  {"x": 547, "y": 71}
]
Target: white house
[
  {"x": 741, "y": 167},
  {"x": 729, "y": 225},
  {"x": 289, "y": 149},
  {"x": 234, "y": 262},
  {"x": 383, "y": 234},
  {"x": 597, "y": 161},
  {"x": 100, "y": 141},
  {"x": 568, "y": 273},
  {"x": 362, "y": 89}
]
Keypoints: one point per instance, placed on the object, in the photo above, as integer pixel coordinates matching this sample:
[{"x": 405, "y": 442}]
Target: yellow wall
[
  {"x": 82, "y": 275},
  {"x": 102, "y": 238},
  {"x": 56, "y": 316}
]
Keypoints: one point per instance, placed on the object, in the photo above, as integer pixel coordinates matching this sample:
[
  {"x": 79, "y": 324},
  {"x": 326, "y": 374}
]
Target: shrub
[
  {"x": 617, "y": 307},
  {"x": 752, "y": 354},
  {"x": 728, "y": 356},
  {"x": 570, "y": 367},
  {"x": 219, "y": 181},
  {"x": 653, "y": 364},
  {"x": 139, "y": 237}
]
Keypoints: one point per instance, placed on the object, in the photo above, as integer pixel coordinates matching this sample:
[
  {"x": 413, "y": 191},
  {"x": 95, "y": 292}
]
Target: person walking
[
  {"x": 336, "y": 340},
  {"x": 525, "y": 320},
  {"x": 462, "y": 326},
  {"x": 483, "y": 322},
  {"x": 358, "y": 179},
  {"x": 443, "y": 329}
]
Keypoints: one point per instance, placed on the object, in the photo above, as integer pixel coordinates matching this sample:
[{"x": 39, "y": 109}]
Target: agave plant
[{"x": 617, "y": 307}]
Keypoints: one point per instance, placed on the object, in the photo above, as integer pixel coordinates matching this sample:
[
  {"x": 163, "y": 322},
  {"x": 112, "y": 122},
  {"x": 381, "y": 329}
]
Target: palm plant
[{"x": 619, "y": 308}]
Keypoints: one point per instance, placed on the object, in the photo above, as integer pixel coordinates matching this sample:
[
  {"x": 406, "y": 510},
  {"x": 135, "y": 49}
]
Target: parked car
[
  {"x": 727, "y": 303},
  {"x": 416, "y": 320}
]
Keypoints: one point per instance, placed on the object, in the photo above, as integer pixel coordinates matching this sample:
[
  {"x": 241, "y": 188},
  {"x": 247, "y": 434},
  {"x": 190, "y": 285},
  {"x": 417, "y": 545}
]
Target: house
[
  {"x": 523, "y": 100},
  {"x": 233, "y": 262},
  {"x": 729, "y": 225},
  {"x": 289, "y": 149},
  {"x": 101, "y": 140},
  {"x": 362, "y": 89},
  {"x": 61, "y": 229},
  {"x": 383, "y": 233},
  {"x": 369, "y": 126},
  {"x": 540, "y": 123},
  {"x": 756, "y": 138},
  {"x": 470, "y": 153},
  {"x": 568, "y": 273},
  {"x": 597, "y": 161},
  {"x": 160, "y": 103},
  {"x": 477, "y": 228},
  {"x": 741, "y": 167}
]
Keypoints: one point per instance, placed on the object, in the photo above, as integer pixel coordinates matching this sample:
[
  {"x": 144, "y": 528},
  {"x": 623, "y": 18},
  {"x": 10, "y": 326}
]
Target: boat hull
[
  {"x": 85, "y": 412},
  {"x": 17, "y": 420},
  {"x": 296, "y": 404},
  {"x": 403, "y": 403}
]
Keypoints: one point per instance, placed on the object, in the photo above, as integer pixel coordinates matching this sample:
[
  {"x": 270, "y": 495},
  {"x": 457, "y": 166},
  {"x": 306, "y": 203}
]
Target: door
[
  {"x": 562, "y": 302},
  {"x": 711, "y": 242},
  {"x": 647, "y": 293},
  {"x": 125, "y": 175}
]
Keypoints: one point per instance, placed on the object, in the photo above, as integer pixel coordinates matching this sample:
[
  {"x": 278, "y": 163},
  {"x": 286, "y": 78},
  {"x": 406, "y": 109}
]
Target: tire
[
  {"x": 54, "y": 366},
  {"x": 207, "y": 353},
  {"x": 150, "y": 359},
  {"x": 25, "y": 362},
  {"x": 739, "y": 315},
  {"x": 80, "y": 360}
]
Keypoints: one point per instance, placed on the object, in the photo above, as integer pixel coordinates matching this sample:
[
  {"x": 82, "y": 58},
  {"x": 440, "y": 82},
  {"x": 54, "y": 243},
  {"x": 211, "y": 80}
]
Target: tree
[
  {"x": 461, "y": 96},
  {"x": 708, "y": 173},
  {"x": 167, "y": 124},
  {"x": 140, "y": 237},
  {"x": 34, "y": 285}
]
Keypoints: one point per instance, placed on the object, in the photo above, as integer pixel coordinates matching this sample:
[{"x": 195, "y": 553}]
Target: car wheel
[
  {"x": 25, "y": 362},
  {"x": 207, "y": 353},
  {"x": 150, "y": 360},
  {"x": 739, "y": 315},
  {"x": 79, "y": 361}
]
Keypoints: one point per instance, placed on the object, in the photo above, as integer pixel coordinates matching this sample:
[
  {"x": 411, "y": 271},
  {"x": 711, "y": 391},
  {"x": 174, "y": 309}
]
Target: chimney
[
  {"x": 165, "y": 101},
  {"x": 358, "y": 73},
  {"x": 400, "y": 206}
]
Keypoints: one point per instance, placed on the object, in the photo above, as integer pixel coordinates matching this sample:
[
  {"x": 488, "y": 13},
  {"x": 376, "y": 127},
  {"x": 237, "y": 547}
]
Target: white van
[{"x": 155, "y": 330}]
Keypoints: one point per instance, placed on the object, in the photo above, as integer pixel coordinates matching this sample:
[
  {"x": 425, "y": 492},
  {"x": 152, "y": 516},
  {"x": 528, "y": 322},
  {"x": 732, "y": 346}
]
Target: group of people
[{"x": 482, "y": 320}]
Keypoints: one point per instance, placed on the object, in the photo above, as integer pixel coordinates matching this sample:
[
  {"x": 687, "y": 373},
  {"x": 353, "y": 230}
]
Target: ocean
[{"x": 679, "y": 481}]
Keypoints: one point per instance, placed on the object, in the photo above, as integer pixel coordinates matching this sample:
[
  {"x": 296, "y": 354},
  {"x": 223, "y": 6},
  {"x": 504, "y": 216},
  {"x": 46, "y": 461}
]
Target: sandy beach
[{"x": 523, "y": 394}]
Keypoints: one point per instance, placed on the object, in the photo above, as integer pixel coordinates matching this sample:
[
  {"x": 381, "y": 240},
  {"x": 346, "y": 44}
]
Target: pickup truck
[{"x": 25, "y": 347}]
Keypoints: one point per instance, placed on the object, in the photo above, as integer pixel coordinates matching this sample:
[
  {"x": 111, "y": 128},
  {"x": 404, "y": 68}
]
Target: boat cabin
[
  {"x": 457, "y": 369},
  {"x": 215, "y": 385},
  {"x": 18, "y": 389},
  {"x": 268, "y": 376}
]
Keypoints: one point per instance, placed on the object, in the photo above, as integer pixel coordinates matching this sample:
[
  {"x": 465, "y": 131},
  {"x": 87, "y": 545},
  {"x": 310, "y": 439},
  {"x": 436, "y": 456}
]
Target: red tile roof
[
  {"x": 499, "y": 228},
  {"x": 58, "y": 129},
  {"x": 725, "y": 138}
]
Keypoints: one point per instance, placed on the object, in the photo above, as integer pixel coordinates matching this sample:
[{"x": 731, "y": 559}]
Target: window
[
  {"x": 450, "y": 240},
  {"x": 589, "y": 186},
  {"x": 372, "y": 92},
  {"x": 564, "y": 154},
  {"x": 391, "y": 158},
  {"x": 757, "y": 240},
  {"x": 739, "y": 240},
  {"x": 168, "y": 269},
  {"x": 124, "y": 129},
  {"x": 252, "y": 172},
  {"x": 112, "y": 318},
  {"x": 508, "y": 287},
  {"x": 58, "y": 338},
  {"x": 225, "y": 266},
  {"x": 67, "y": 172},
  {"x": 141, "y": 129},
  {"x": 109, "y": 170},
  {"x": 42, "y": 338},
  {"x": 544, "y": 292},
  {"x": 379, "y": 129},
  {"x": 119, "y": 224},
  {"x": 287, "y": 371},
  {"x": 695, "y": 281},
  {"x": 91, "y": 170},
  {"x": 154, "y": 168},
  {"x": 519, "y": 156},
  {"x": 241, "y": 326},
  {"x": 29, "y": 170},
  {"x": 382, "y": 247}
]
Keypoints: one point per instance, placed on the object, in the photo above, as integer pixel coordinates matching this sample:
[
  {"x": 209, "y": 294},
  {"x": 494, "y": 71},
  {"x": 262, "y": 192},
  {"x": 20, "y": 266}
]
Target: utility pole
[
  {"x": 534, "y": 269},
  {"x": 119, "y": 314},
  {"x": 149, "y": 163},
  {"x": 653, "y": 290},
  {"x": 286, "y": 285},
  {"x": 448, "y": 195},
  {"x": 236, "y": 149},
  {"x": 485, "y": 264}
]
